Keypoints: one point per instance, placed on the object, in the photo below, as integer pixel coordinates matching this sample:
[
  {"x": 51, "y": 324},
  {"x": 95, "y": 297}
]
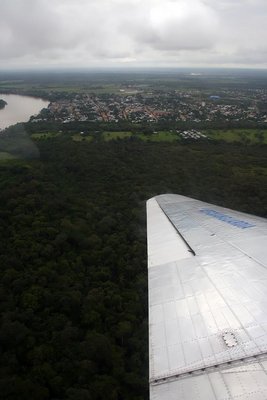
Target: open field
[
  {"x": 245, "y": 136},
  {"x": 107, "y": 136},
  {"x": 242, "y": 136},
  {"x": 45, "y": 135},
  {"x": 161, "y": 136},
  {"x": 4, "y": 156},
  {"x": 81, "y": 138}
]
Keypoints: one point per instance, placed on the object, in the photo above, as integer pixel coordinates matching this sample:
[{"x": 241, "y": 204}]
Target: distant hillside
[{"x": 3, "y": 103}]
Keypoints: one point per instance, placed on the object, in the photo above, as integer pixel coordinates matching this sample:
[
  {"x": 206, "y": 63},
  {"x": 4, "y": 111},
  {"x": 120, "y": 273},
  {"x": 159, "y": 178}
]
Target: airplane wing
[{"x": 207, "y": 271}]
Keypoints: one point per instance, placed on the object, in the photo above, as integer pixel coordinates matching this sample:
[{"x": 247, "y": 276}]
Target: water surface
[{"x": 19, "y": 109}]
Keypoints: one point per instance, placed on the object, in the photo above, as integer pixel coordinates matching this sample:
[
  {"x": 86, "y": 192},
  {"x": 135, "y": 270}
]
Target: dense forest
[{"x": 73, "y": 289}]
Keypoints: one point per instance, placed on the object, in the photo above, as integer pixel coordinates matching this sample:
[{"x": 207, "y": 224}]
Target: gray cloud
[{"x": 148, "y": 32}]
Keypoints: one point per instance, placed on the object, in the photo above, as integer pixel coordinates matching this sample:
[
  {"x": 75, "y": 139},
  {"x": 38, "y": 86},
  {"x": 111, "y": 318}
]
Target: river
[{"x": 19, "y": 109}]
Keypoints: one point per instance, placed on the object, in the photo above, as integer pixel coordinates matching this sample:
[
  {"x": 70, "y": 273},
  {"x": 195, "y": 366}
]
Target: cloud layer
[{"x": 89, "y": 33}]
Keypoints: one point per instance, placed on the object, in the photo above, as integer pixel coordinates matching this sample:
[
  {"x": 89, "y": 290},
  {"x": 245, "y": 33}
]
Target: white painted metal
[
  {"x": 209, "y": 309},
  {"x": 162, "y": 243}
]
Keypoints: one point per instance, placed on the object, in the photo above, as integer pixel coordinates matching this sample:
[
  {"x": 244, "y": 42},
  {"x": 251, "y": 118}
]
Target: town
[{"x": 139, "y": 106}]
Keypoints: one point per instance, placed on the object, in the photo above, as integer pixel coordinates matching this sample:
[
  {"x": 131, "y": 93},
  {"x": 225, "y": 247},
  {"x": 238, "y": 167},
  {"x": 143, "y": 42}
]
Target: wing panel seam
[{"x": 211, "y": 368}]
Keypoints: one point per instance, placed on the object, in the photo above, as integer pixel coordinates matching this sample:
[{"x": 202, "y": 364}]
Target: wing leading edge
[{"x": 207, "y": 301}]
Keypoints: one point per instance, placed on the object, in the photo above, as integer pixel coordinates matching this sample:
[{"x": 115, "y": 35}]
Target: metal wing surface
[{"x": 207, "y": 273}]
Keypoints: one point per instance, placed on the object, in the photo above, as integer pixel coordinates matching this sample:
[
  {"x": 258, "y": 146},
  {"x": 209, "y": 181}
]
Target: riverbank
[{"x": 3, "y": 103}]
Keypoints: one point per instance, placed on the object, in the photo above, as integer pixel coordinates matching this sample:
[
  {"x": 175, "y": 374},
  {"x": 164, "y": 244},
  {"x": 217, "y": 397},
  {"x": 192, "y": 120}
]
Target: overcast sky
[{"x": 114, "y": 33}]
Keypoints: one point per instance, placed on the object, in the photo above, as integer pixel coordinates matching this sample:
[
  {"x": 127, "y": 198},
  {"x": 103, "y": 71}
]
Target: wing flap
[{"x": 163, "y": 245}]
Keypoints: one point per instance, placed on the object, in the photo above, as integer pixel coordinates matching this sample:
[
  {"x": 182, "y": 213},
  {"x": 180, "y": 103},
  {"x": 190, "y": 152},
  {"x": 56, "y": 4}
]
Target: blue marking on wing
[{"x": 227, "y": 218}]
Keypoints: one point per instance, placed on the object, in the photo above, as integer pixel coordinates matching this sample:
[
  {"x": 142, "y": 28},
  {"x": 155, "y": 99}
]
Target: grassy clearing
[
  {"x": 81, "y": 138},
  {"x": 161, "y": 136},
  {"x": 246, "y": 136},
  {"x": 107, "y": 136},
  {"x": 45, "y": 135},
  {"x": 4, "y": 156},
  {"x": 252, "y": 173}
]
